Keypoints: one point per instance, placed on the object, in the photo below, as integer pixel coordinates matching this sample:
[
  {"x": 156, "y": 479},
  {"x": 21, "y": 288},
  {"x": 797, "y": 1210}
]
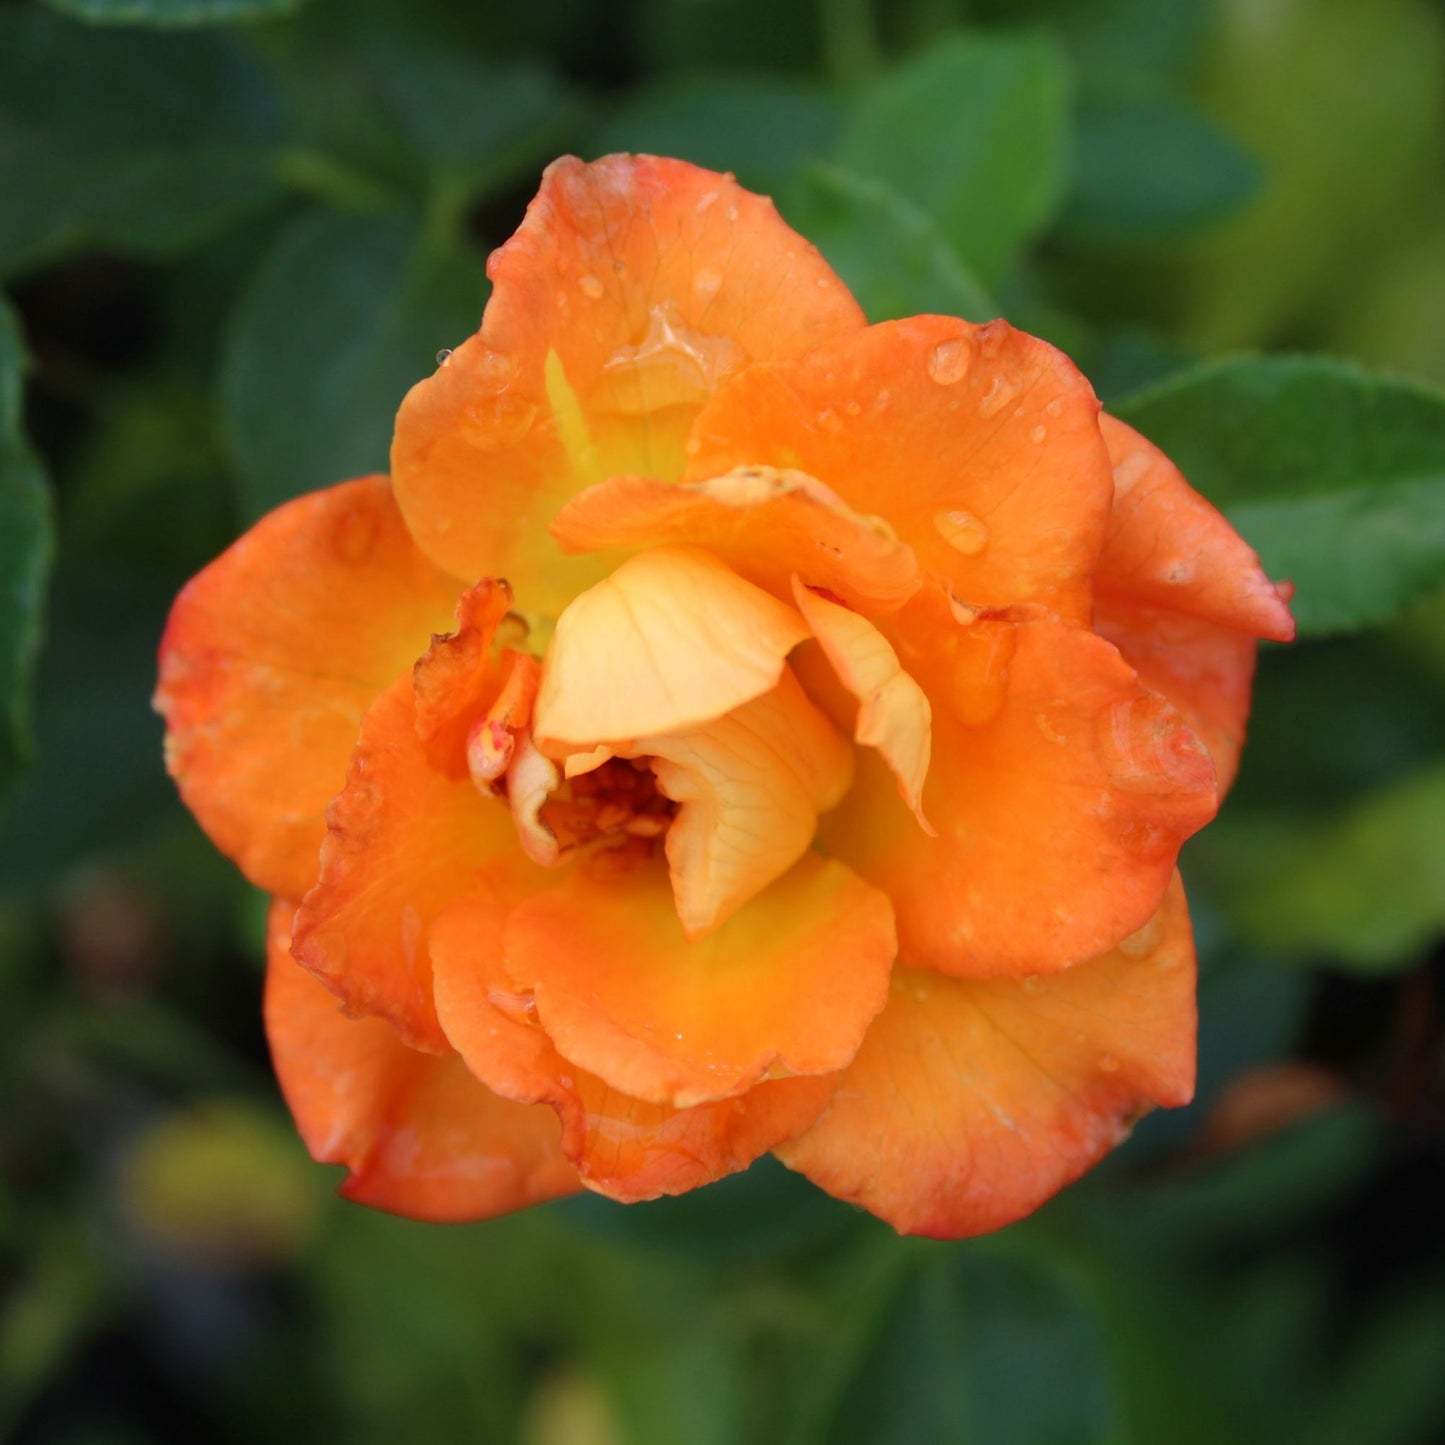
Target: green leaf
[
  {"x": 344, "y": 315},
  {"x": 974, "y": 132},
  {"x": 1149, "y": 167},
  {"x": 476, "y": 126},
  {"x": 892, "y": 256},
  {"x": 26, "y": 543},
  {"x": 1335, "y": 475},
  {"x": 1367, "y": 891},
  {"x": 760, "y": 128},
  {"x": 141, "y": 142},
  {"x": 173, "y": 13}
]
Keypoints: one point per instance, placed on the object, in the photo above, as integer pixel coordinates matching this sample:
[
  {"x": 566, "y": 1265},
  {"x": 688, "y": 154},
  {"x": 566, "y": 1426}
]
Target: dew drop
[
  {"x": 444, "y": 355},
  {"x": 964, "y": 532},
  {"x": 673, "y": 365},
  {"x": 1033, "y": 984},
  {"x": 1108, "y": 1064},
  {"x": 590, "y": 287},
  {"x": 852, "y": 408},
  {"x": 1037, "y": 435},
  {"x": 948, "y": 363},
  {"x": 706, "y": 284},
  {"x": 1001, "y": 391}
]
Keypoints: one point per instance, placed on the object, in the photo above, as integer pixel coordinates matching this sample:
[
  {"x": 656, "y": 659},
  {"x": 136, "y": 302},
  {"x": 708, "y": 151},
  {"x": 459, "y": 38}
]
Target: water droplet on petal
[
  {"x": 590, "y": 287},
  {"x": 1108, "y": 1064},
  {"x": 962, "y": 531},
  {"x": 444, "y": 355},
  {"x": 1037, "y": 435},
  {"x": 673, "y": 365},
  {"x": 706, "y": 284},
  {"x": 1033, "y": 984},
  {"x": 1001, "y": 391},
  {"x": 949, "y": 362}
]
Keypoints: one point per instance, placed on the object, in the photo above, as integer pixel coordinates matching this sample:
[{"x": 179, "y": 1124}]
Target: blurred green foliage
[{"x": 233, "y": 232}]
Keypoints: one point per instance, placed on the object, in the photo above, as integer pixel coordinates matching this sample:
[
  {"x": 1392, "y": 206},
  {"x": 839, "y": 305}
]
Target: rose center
[{"x": 616, "y": 800}]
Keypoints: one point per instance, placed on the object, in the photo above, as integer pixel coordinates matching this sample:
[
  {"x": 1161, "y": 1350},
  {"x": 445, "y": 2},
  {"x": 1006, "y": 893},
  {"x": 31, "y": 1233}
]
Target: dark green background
[{"x": 232, "y": 232}]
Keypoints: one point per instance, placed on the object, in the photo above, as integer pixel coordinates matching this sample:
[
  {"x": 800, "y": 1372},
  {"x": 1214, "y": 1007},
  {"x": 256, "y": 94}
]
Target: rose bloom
[{"x": 812, "y": 783}]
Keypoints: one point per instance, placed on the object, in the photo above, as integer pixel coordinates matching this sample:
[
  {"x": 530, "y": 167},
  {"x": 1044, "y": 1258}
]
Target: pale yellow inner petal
[
  {"x": 671, "y": 639},
  {"x": 893, "y": 711}
]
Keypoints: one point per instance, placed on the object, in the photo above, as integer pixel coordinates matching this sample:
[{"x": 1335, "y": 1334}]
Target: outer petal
[
  {"x": 632, "y": 289},
  {"x": 1061, "y": 789},
  {"x": 765, "y": 523},
  {"x": 786, "y": 986},
  {"x": 1168, "y": 548},
  {"x": 979, "y": 444},
  {"x": 894, "y": 715},
  {"x": 271, "y": 656},
  {"x": 1182, "y": 596},
  {"x": 1204, "y": 670},
  {"x": 673, "y": 638},
  {"x": 623, "y": 1147},
  {"x": 972, "y": 1102},
  {"x": 418, "y": 1134},
  {"x": 404, "y": 839}
]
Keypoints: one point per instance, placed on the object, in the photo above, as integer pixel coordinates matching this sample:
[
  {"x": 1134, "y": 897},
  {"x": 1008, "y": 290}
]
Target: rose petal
[
  {"x": 1060, "y": 786},
  {"x": 765, "y": 523},
  {"x": 979, "y": 444},
  {"x": 786, "y": 986},
  {"x": 270, "y": 658},
  {"x": 971, "y": 1102},
  {"x": 632, "y": 289},
  {"x": 894, "y": 715},
  {"x": 623, "y": 1147},
  {"x": 671, "y": 639},
  {"x": 418, "y": 1134},
  {"x": 1203, "y": 669},
  {"x": 751, "y": 785},
  {"x": 1168, "y": 548},
  {"x": 403, "y": 840}
]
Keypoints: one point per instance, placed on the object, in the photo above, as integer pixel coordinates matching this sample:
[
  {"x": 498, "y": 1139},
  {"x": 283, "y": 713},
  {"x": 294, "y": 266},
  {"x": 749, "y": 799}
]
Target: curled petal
[
  {"x": 786, "y": 986},
  {"x": 403, "y": 839},
  {"x": 671, "y": 639},
  {"x": 1183, "y": 597},
  {"x": 893, "y": 711},
  {"x": 766, "y": 523},
  {"x": 1169, "y": 549},
  {"x": 1061, "y": 788},
  {"x": 751, "y": 785},
  {"x": 632, "y": 289},
  {"x": 623, "y": 1147},
  {"x": 418, "y": 1134},
  {"x": 973, "y": 1101},
  {"x": 270, "y": 658},
  {"x": 979, "y": 444}
]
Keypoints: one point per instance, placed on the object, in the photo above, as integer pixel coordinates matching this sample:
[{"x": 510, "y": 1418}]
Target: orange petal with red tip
[
  {"x": 623, "y": 1147},
  {"x": 1060, "y": 786},
  {"x": 419, "y": 1135},
  {"x": 403, "y": 840},
  {"x": 971, "y": 1102},
  {"x": 671, "y": 639},
  {"x": 1169, "y": 548},
  {"x": 765, "y": 523},
  {"x": 786, "y": 986},
  {"x": 751, "y": 785},
  {"x": 1203, "y": 669},
  {"x": 894, "y": 715},
  {"x": 633, "y": 288},
  {"x": 457, "y": 676},
  {"x": 979, "y": 444},
  {"x": 270, "y": 658}
]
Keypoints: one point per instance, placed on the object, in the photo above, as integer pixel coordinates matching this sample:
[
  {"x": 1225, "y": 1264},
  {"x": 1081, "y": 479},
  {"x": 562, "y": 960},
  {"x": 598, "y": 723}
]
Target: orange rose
[{"x": 813, "y": 783}]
